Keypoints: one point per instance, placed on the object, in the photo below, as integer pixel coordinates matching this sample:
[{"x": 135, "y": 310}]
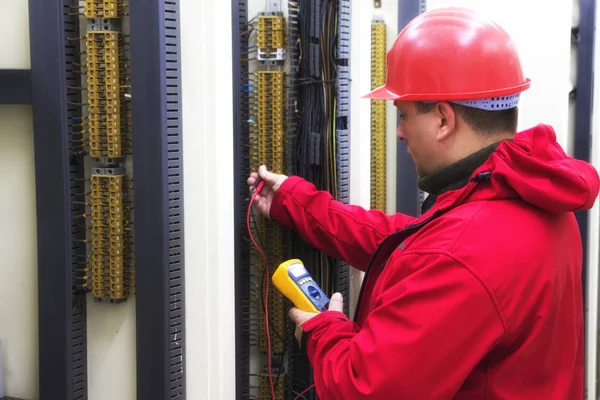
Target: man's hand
[
  {"x": 300, "y": 317},
  {"x": 272, "y": 181}
]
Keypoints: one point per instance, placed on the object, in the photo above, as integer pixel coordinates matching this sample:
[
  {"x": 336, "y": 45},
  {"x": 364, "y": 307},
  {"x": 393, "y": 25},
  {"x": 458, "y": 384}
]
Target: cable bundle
[
  {"x": 312, "y": 110},
  {"x": 290, "y": 124}
]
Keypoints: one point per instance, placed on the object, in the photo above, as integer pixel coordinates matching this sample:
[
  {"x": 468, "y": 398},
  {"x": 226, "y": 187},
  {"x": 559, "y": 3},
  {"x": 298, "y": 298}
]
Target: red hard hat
[{"x": 451, "y": 54}]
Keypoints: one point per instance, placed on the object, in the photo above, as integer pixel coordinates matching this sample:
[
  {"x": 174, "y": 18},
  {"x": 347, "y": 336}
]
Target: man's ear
[{"x": 447, "y": 120}]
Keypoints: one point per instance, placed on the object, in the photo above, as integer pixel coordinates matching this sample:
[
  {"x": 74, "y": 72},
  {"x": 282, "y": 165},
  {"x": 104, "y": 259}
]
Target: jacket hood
[{"x": 535, "y": 168}]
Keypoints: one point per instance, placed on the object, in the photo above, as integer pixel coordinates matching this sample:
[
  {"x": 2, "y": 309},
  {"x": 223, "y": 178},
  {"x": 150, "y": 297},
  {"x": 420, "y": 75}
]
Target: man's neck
[
  {"x": 473, "y": 142},
  {"x": 458, "y": 173}
]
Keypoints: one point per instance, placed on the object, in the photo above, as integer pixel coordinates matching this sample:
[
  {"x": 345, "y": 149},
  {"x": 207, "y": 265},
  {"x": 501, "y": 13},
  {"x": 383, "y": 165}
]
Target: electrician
[{"x": 481, "y": 296}]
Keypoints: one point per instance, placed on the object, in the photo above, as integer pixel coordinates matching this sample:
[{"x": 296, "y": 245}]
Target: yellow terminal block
[
  {"x": 378, "y": 118},
  {"x": 267, "y": 147},
  {"x": 265, "y": 385},
  {"x": 102, "y": 8},
  {"x": 104, "y": 94},
  {"x": 110, "y": 274},
  {"x": 271, "y": 38},
  {"x": 271, "y": 116}
]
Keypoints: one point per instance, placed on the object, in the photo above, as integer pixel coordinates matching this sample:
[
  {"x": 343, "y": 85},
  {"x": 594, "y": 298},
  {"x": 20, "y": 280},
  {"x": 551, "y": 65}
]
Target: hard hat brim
[{"x": 383, "y": 93}]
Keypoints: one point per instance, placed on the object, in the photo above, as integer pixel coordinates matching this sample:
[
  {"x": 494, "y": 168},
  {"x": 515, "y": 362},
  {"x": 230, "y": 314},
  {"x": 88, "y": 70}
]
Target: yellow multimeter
[{"x": 295, "y": 283}]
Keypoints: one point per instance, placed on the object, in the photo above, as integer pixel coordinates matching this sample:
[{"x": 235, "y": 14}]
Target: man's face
[{"x": 418, "y": 130}]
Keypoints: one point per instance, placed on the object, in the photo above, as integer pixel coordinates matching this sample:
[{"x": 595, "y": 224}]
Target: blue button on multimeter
[
  {"x": 295, "y": 283},
  {"x": 314, "y": 292}
]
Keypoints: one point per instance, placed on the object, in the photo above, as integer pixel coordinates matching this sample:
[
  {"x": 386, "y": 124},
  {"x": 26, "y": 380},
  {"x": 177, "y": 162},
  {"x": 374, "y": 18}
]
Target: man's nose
[{"x": 400, "y": 131}]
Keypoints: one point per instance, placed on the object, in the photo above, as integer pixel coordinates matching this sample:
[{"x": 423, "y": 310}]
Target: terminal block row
[
  {"x": 271, "y": 37},
  {"x": 271, "y": 117},
  {"x": 111, "y": 237},
  {"x": 107, "y": 137},
  {"x": 268, "y": 148},
  {"x": 279, "y": 382},
  {"x": 378, "y": 117},
  {"x": 103, "y": 8}
]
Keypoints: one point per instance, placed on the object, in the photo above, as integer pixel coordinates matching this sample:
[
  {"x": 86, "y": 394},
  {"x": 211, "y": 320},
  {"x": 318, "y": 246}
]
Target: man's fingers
[
  {"x": 269, "y": 177},
  {"x": 336, "y": 303},
  {"x": 298, "y": 334},
  {"x": 262, "y": 205},
  {"x": 295, "y": 315},
  {"x": 252, "y": 178},
  {"x": 299, "y": 316}
]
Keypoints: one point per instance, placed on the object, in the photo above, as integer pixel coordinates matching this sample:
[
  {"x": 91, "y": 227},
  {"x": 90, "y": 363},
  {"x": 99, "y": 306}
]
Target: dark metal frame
[
  {"x": 407, "y": 193},
  {"x": 584, "y": 38},
  {"x": 59, "y": 181},
  {"x": 15, "y": 86},
  {"x": 344, "y": 90},
  {"x": 241, "y": 165},
  {"x": 584, "y": 93},
  {"x": 158, "y": 173}
]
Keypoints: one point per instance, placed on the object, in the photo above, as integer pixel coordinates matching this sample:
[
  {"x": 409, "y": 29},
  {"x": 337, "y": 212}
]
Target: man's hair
[{"x": 481, "y": 121}]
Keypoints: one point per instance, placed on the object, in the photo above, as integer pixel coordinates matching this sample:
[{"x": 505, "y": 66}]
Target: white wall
[
  {"x": 18, "y": 271},
  {"x": 14, "y": 49},
  {"x": 111, "y": 350},
  {"x": 208, "y": 145}
]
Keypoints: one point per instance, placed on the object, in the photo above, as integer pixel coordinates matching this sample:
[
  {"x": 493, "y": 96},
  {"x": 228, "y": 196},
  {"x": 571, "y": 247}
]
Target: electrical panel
[
  {"x": 85, "y": 156},
  {"x": 105, "y": 132},
  {"x": 292, "y": 63}
]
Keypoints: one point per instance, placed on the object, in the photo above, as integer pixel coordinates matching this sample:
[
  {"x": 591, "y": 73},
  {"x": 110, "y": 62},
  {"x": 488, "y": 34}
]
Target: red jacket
[{"x": 482, "y": 296}]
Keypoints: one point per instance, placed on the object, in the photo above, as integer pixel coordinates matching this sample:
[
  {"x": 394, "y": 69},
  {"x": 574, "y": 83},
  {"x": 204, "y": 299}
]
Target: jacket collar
[
  {"x": 457, "y": 174},
  {"x": 454, "y": 176}
]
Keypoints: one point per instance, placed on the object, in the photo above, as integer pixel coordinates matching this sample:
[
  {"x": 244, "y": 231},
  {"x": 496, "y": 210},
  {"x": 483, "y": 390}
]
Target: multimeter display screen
[{"x": 297, "y": 270}]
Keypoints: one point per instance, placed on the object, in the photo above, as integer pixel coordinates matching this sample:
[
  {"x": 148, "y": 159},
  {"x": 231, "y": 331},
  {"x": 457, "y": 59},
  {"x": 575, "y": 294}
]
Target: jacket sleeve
[
  {"x": 346, "y": 232},
  {"x": 422, "y": 338}
]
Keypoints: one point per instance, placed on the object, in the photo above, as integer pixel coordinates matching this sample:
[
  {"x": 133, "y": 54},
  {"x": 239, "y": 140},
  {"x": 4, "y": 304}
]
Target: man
[{"x": 480, "y": 297}]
